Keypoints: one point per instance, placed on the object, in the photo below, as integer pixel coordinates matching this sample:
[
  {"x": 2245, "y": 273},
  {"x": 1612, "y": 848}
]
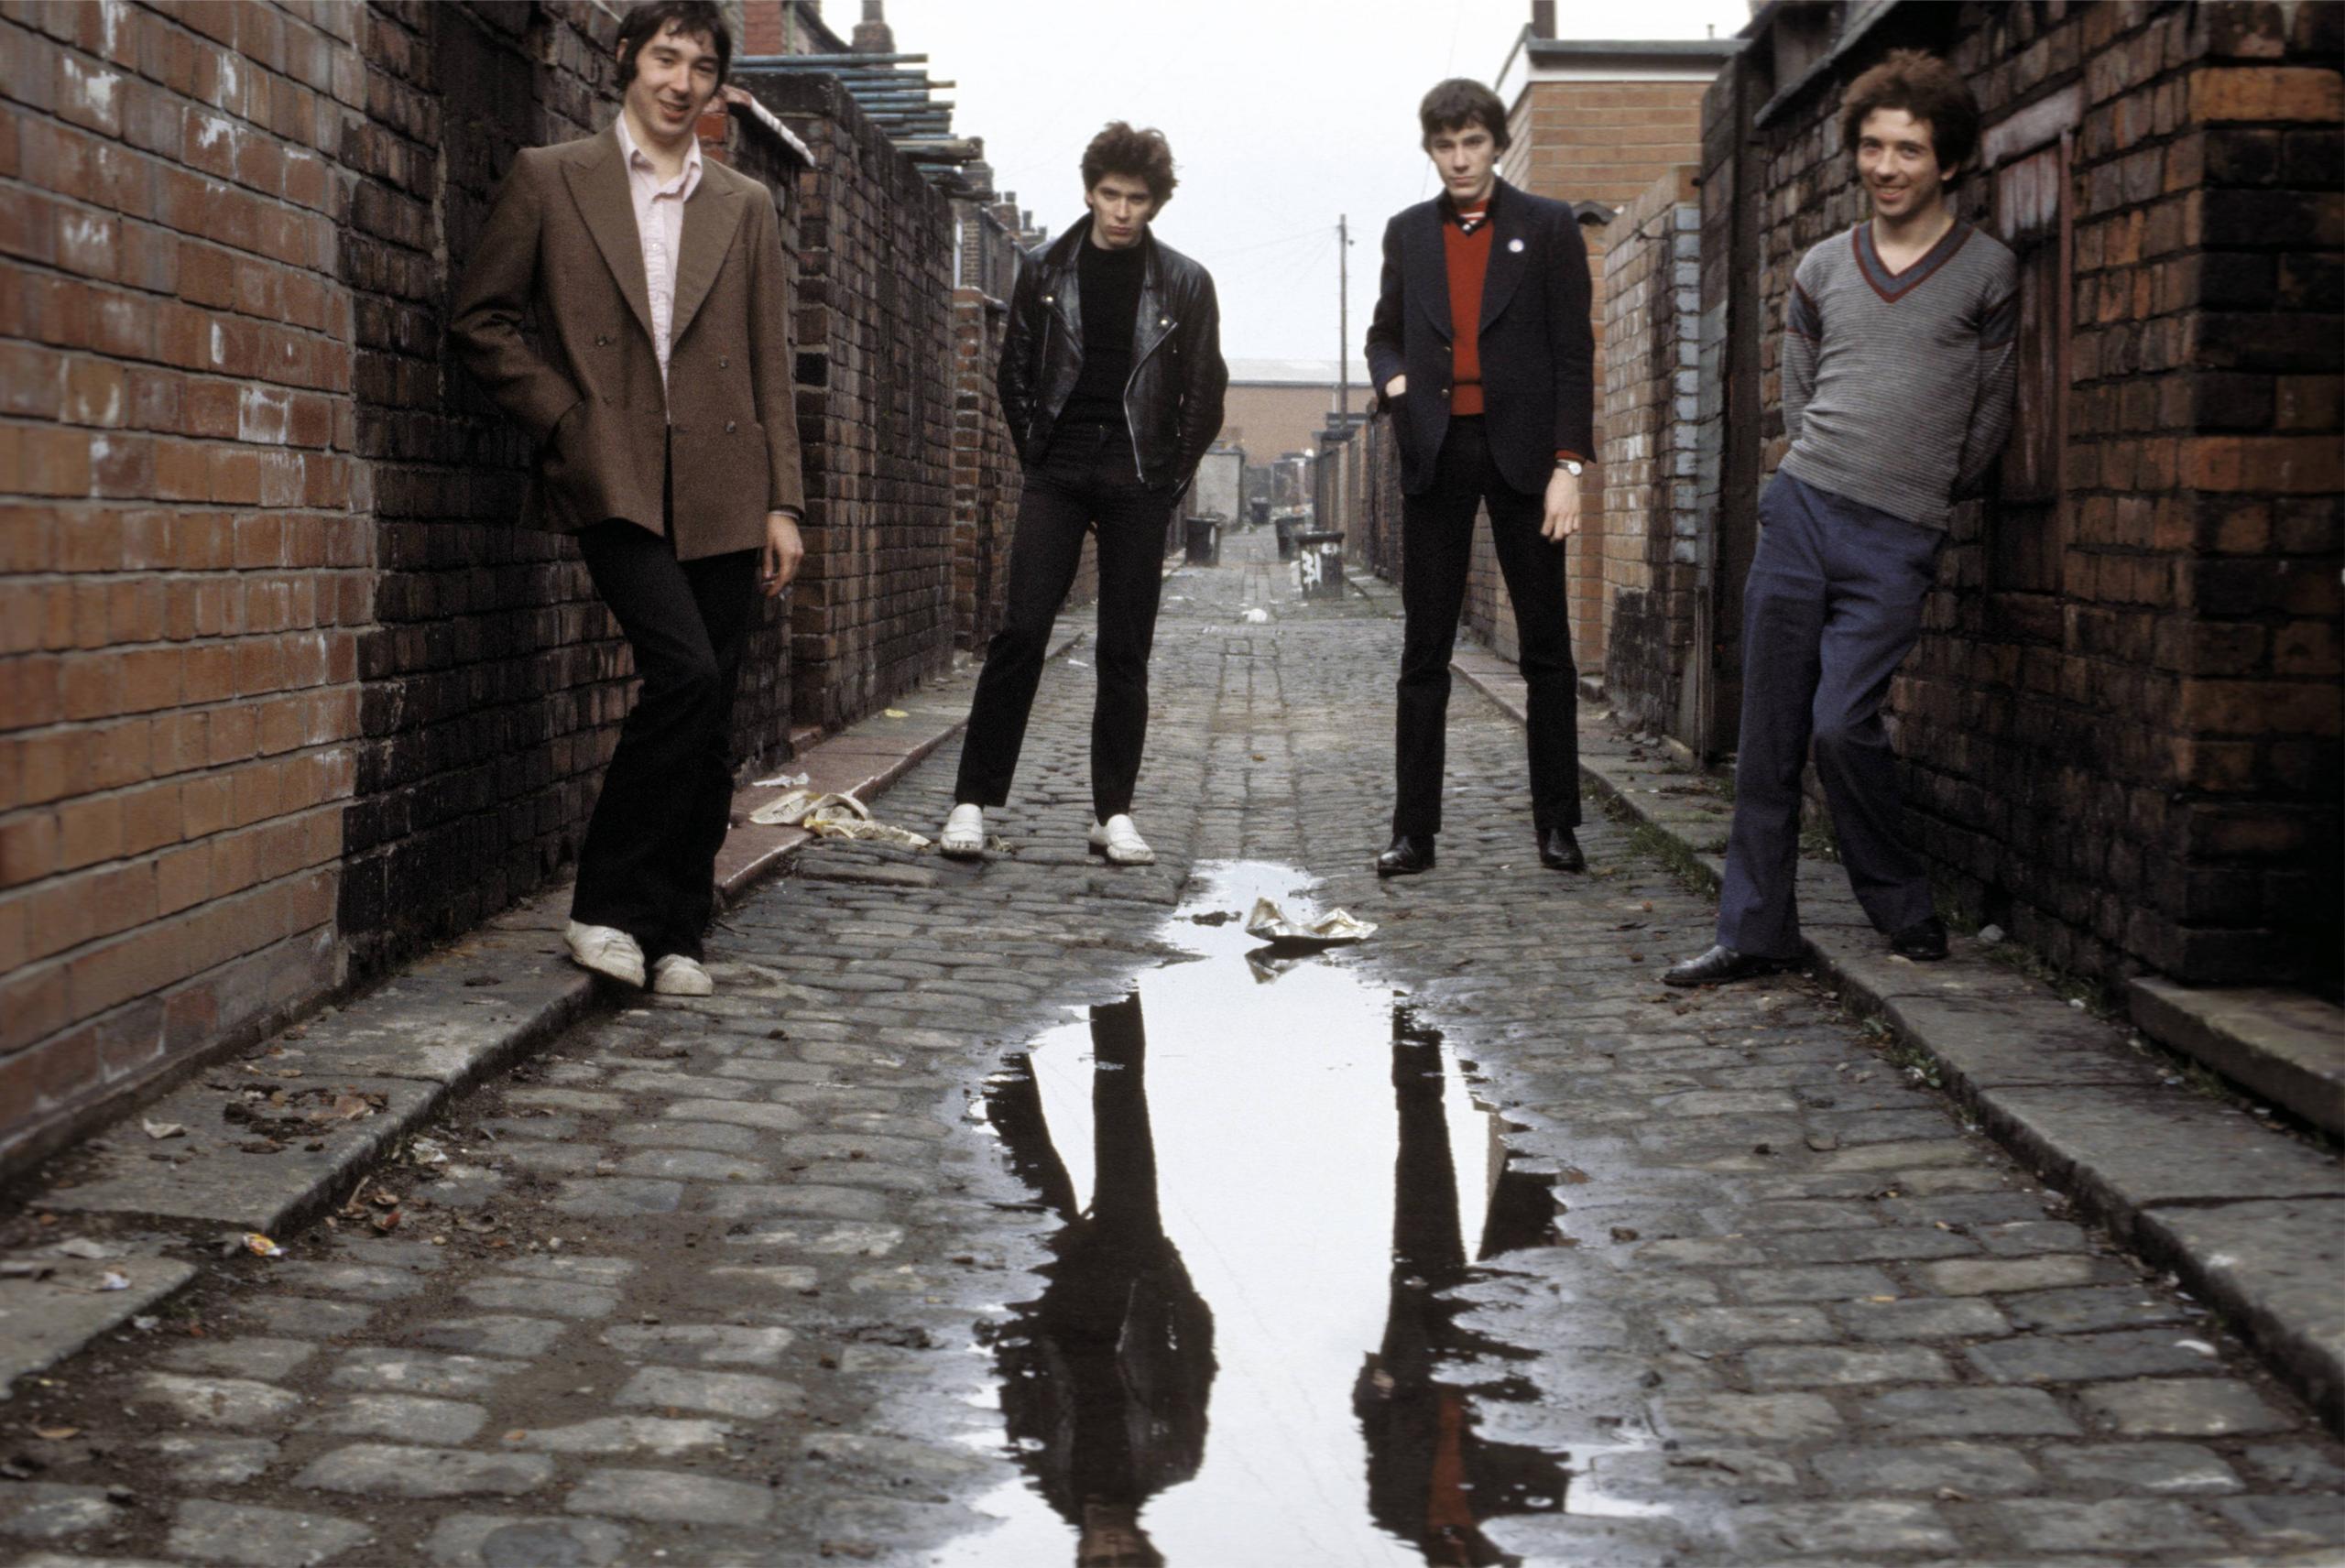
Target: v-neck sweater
[{"x": 1898, "y": 387}]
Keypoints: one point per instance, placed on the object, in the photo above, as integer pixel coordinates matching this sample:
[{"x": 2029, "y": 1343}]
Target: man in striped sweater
[{"x": 1897, "y": 396}]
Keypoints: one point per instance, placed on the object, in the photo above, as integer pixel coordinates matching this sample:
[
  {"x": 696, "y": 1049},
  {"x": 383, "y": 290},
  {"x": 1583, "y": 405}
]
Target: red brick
[
  {"x": 28, "y": 848},
  {"x": 182, "y": 879},
  {"x": 2294, "y": 465},
  {"x": 88, "y": 832},
  {"x": 2285, "y": 93},
  {"x": 34, "y": 1003},
  {"x": 150, "y": 818}
]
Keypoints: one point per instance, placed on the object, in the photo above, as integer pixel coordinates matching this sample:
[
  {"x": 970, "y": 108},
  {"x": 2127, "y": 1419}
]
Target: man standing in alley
[
  {"x": 1482, "y": 352},
  {"x": 659, "y": 410},
  {"x": 1897, "y": 396},
  {"x": 1111, "y": 381}
]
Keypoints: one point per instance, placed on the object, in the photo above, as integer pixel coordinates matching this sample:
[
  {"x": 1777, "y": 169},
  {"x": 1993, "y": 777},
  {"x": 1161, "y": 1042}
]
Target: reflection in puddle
[{"x": 1265, "y": 1179}]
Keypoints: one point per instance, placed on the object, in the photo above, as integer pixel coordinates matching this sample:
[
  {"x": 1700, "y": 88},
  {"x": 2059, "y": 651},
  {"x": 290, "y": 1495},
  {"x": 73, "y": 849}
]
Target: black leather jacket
[{"x": 1172, "y": 402}]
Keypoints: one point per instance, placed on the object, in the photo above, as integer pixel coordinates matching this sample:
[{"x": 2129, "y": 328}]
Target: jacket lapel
[
  {"x": 1509, "y": 252},
  {"x": 710, "y": 219},
  {"x": 598, "y": 185},
  {"x": 1151, "y": 321},
  {"x": 1427, "y": 267},
  {"x": 1061, "y": 278}
]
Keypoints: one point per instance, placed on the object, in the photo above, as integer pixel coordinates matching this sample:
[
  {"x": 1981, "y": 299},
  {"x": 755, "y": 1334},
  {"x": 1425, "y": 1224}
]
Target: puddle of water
[{"x": 1265, "y": 1178}]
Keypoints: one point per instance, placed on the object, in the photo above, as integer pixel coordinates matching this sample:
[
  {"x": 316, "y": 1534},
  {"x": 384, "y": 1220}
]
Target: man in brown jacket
[{"x": 660, "y": 403}]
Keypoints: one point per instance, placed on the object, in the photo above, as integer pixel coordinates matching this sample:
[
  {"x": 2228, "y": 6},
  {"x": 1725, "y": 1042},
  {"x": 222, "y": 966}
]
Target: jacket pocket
[{"x": 605, "y": 462}]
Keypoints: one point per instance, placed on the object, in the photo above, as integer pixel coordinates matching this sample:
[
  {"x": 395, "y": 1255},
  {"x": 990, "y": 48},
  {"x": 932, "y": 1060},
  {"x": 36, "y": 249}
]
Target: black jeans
[
  {"x": 649, "y": 865},
  {"x": 1437, "y": 550},
  {"x": 1086, "y": 481}
]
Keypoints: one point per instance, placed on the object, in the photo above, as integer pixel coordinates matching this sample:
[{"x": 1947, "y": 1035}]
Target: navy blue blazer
[{"x": 1538, "y": 352}]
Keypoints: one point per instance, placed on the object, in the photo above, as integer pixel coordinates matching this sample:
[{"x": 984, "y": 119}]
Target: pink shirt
[{"x": 659, "y": 225}]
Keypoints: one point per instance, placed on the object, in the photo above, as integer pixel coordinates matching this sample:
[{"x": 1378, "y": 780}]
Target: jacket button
[
  {"x": 1445, "y": 391},
  {"x": 722, "y": 362},
  {"x": 728, "y": 427}
]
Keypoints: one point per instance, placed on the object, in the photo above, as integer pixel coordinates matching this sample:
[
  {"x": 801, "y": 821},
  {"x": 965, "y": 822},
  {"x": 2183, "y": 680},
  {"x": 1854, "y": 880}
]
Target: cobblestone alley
[{"x": 739, "y": 1280}]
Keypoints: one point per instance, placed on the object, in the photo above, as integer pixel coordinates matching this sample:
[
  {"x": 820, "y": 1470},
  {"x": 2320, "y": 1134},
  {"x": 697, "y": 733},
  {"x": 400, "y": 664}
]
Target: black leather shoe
[
  {"x": 1559, "y": 850},
  {"x": 1410, "y": 854},
  {"x": 1719, "y": 966},
  {"x": 1923, "y": 942}
]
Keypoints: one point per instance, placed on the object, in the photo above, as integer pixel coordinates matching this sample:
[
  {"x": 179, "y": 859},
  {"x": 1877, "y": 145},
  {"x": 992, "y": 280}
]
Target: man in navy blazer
[{"x": 1482, "y": 352}]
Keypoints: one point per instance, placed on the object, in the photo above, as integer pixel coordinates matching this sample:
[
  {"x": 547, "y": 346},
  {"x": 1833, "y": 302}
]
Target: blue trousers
[{"x": 1832, "y": 609}]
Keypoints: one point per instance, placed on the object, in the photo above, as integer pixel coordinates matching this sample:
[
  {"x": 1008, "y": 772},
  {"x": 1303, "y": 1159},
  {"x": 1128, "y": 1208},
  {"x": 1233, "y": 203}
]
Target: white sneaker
[
  {"x": 673, "y": 975},
  {"x": 605, "y": 949},
  {"x": 965, "y": 833},
  {"x": 1120, "y": 842}
]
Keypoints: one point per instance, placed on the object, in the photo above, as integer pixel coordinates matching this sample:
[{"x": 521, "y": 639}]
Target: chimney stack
[
  {"x": 1543, "y": 18},
  {"x": 873, "y": 35}
]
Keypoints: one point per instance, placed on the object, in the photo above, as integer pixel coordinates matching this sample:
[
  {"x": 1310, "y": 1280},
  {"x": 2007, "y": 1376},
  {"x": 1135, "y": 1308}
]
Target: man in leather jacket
[{"x": 1111, "y": 381}]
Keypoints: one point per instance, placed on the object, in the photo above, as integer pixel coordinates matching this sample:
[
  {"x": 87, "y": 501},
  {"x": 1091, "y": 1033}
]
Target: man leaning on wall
[
  {"x": 1898, "y": 342},
  {"x": 659, "y": 408}
]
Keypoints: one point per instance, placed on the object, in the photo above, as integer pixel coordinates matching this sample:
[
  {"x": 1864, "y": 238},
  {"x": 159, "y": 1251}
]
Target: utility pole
[{"x": 1343, "y": 316}]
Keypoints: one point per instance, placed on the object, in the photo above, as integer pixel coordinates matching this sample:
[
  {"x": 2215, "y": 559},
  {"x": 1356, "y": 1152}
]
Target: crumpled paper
[
  {"x": 1269, "y": 923},
  {"x": 834, "y": 816}
]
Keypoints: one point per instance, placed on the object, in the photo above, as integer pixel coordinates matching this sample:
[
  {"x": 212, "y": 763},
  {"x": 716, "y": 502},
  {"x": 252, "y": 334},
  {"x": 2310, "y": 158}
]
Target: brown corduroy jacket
[{"x": 561, "y": 237}]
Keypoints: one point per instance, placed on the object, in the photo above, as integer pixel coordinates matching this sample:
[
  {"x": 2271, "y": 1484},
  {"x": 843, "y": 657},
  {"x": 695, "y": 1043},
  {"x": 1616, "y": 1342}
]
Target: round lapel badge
[{"x": 1514, "y": 244}]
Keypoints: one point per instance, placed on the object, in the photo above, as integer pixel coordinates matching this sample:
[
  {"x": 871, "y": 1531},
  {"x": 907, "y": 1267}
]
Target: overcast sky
[{"x": 1282, "y": 113}]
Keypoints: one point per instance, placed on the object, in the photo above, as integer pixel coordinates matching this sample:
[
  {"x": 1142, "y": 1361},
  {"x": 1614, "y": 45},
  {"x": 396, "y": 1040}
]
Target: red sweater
[{"x": 1468, "y": 260}]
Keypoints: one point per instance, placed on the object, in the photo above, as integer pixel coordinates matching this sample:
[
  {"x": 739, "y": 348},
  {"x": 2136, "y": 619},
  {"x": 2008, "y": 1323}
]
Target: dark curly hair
[
  {"x": 1924, "y": 87},
  {"x": 1458, "y": 102},
  {"x": 1144, "y": 156},
  {"x": 694, "y": 18}
]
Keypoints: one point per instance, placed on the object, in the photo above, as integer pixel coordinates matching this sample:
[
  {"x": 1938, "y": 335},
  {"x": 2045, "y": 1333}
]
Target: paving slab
[
  {"x": 2285, "y": 1046},
  {"x": 441, "y": 1023},
  {"x": 2059, "y": 1087},
  {"x": 2277, "y": 1267},
  {"x": 43, "y": 1320},
  {"x": 231, "y": 1175}
]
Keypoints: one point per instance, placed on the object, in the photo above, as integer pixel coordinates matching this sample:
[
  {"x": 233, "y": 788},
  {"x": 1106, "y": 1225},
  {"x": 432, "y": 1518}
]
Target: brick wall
[
  {"x": 1271, "y": 420},
  {"x": 1606, "y": 141},
  {"x": 986, "y": 481},
  {"x": 873, "y": 613},
  {"x": 185, "y": 569},
  {"x": 2121, "y": 731},
  {"x": 284, "y": 695},
  {"x": 1650, "y": 300}
]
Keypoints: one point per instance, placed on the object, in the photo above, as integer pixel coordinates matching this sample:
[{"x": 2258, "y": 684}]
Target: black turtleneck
[{"x": 1108, "y": 286}]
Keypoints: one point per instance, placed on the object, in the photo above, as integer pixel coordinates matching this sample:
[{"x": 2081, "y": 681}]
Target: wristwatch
[{"x": 1570, "y": 466}]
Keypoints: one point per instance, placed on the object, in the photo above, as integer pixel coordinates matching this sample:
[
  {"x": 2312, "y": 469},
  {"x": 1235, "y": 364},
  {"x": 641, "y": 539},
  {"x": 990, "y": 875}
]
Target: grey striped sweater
[{"x": 1897, "y": 389}]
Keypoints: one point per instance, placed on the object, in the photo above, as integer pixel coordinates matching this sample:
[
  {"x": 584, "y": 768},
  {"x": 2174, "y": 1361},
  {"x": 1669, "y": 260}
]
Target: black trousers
[
  {"x": 1087, "y": 482},
  {"x": 1436, "y": 551},
  {"x": 649, "y": 865}
]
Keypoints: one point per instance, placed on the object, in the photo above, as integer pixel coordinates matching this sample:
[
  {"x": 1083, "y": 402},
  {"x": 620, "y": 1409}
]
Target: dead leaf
[
  {"x": 350, "y": 1108},
  {"x": 161, "y": 1130},
  {"x": 56, "y": 1433}
]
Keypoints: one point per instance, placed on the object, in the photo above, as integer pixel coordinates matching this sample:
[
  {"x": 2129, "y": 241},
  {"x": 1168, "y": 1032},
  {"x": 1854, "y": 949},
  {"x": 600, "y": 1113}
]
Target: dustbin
[
  {"x": 1204, "y": 542},
  {"x": 1284, "y": 526},
  {"x": 1321, "y": 552}
]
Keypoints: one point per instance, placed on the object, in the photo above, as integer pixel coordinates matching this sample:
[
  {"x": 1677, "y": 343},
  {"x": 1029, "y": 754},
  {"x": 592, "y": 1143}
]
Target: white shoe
[
  {"x": 673, "y": 975},
  {"x": 605, "y": 949},
  {"x": 1120, "y": 842},
  {"x": 965, "y": 833}
]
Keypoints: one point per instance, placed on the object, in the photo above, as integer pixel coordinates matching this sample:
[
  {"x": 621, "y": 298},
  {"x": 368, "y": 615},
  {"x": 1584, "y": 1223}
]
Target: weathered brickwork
[
  {"x": 1600, "y": 140},
  {"x": 2121, "y": 730},
  {"x": 873, "y": 608},
  {"x": 284, "y": 694},
  {"x": 183, "y": 566},
  {"x": 1651, "y": 521}
]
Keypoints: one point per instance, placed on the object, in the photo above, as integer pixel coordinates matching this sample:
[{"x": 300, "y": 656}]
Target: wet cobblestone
[{"x": 710, "y": 1282}]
